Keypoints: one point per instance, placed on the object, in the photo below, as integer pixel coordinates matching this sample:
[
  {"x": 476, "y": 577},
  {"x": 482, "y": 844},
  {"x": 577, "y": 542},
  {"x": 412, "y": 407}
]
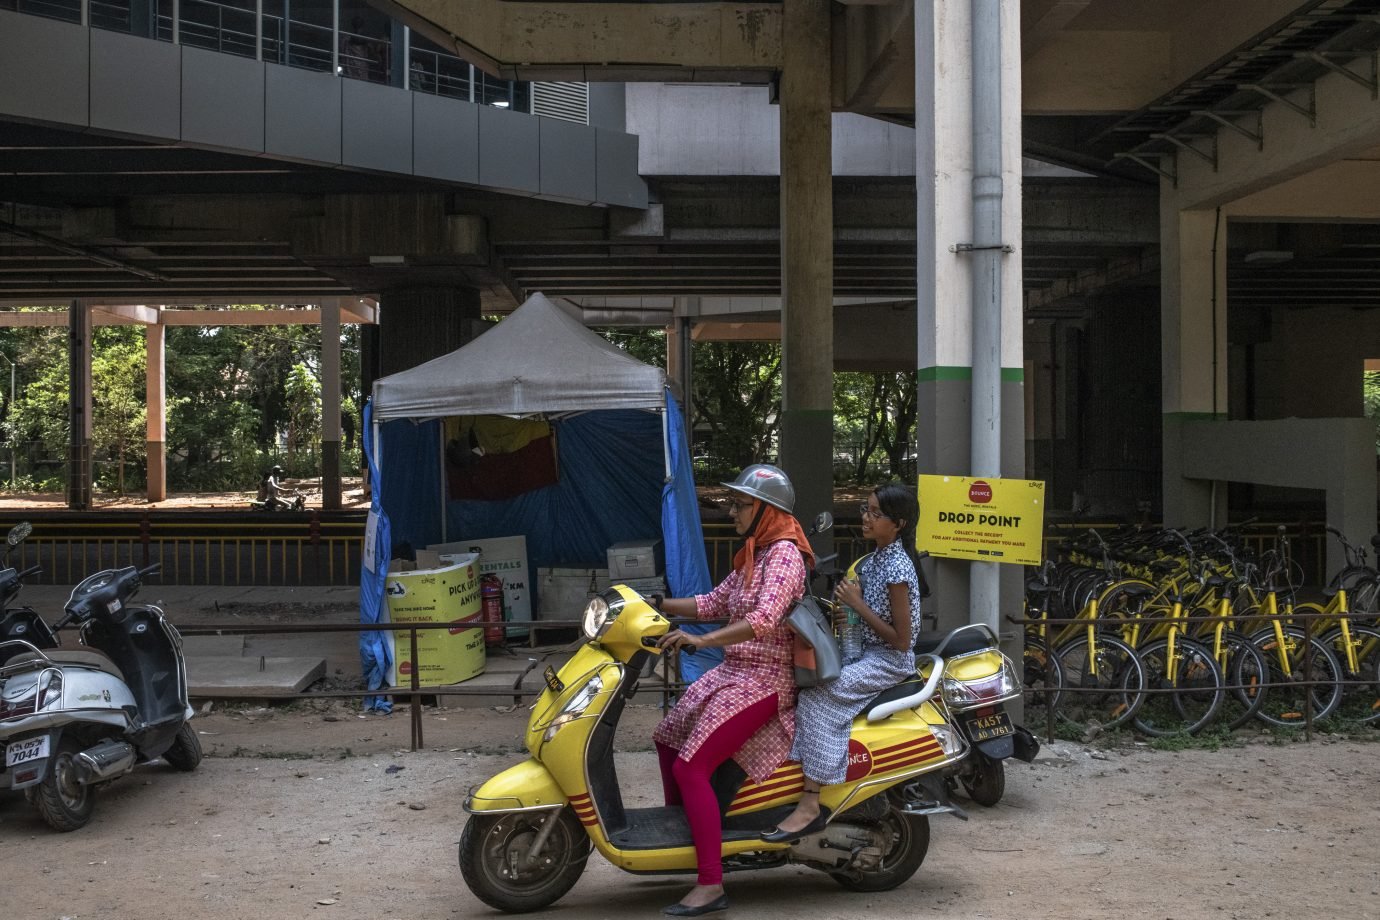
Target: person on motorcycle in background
[
  {"x": 887, "y": 597},
  {"x": 274, "y": 493},
  {"x": 744, "y": 708}
]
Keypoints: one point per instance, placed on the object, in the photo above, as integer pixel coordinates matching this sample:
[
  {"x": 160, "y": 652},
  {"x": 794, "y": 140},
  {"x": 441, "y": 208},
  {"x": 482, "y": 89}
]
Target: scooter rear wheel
[
  {"x": 64, "y": 802},
  {"x": 909, "y": 842},
  {"x": 494, "y": 858},
  {"x": 985, "y": 782},
  {"x": 185, "y": 753}
]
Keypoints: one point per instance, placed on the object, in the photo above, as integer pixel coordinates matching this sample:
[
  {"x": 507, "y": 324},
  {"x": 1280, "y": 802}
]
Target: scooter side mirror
[
  {"x": 19, "y": 533},
  {"x": 824, "y": 521}
]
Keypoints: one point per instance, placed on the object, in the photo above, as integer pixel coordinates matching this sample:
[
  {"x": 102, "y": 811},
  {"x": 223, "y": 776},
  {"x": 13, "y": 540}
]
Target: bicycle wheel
[
  {"x": 1104, "y": 688},
  {"x": 1190, "y": 691},
  {"x": 1042, "y": 677},
  {"x": 1287, "y": 692},
  {"x": 1247, "y": 672},
  {"x": 1361, "y": 699}
]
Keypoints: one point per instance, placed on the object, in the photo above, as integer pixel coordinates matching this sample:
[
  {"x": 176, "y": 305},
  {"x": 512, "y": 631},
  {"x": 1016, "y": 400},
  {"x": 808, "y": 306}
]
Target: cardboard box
[
  {"x": 636, "y": 559},
  {"x": 562, "y": 593},
  {"x": 448, "y": 594},
  {"x": 507, "y": 558}
]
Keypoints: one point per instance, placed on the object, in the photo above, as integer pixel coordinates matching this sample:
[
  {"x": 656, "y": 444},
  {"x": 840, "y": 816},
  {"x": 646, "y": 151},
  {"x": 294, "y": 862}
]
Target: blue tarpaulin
[{"x": 373, "y": 646}]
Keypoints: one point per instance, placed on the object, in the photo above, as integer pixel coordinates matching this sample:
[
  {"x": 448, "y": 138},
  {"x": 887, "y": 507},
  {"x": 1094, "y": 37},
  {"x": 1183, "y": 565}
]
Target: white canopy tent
[{"x": 539, "y": 359}]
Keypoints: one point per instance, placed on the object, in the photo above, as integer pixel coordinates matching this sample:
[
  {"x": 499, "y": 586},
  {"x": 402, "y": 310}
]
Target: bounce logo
[
  {"x": 859, "y": 761},
  {"x": 980, "y": 493}
]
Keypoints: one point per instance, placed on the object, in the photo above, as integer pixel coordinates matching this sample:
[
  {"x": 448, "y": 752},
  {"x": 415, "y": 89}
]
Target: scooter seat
[
  {"x": 86, "y": 658},
  {"x": 970, "y": 640},
  {"x": 905, "y": 688}
]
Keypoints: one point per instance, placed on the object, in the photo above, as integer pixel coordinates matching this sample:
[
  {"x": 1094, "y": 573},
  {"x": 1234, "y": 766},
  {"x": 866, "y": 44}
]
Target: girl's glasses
[{"x": 867, "y": 512}]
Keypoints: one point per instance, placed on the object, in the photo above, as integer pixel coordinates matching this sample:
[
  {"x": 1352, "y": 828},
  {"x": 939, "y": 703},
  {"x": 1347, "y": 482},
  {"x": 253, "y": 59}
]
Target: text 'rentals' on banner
[{"x": 988, "y": 520}]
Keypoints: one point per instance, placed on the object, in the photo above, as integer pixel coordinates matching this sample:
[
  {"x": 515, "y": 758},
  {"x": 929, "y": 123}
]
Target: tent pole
[
  {"x": 666, "y": 442},
  {"x": 441, "y": 457}
]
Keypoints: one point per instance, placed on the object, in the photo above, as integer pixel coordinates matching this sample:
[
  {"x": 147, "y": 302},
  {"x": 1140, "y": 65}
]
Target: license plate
[
  {"x": 552, "y": 681},
  {"x": 24, "y": 751},
  {"x": 985, "y": 728}
]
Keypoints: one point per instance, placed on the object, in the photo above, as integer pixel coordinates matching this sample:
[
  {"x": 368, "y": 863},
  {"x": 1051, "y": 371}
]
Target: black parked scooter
[{"x": 21, "y": 623}]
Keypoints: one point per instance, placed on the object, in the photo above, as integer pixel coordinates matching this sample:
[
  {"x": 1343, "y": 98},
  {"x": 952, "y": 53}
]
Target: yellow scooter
[{"x": 531, "y": 827}]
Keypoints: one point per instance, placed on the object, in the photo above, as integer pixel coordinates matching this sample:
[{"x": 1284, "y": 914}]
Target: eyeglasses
[
  {"x": 868, "y": 512},
  {"x": 739, "y": 507}
]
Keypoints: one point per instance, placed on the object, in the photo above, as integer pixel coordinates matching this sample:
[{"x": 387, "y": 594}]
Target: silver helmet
[{"x": 764, "y": 481}]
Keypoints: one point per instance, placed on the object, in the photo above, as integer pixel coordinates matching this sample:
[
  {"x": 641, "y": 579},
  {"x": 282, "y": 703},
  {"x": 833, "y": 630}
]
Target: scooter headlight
[
  {"x": 600, "y": 613},
  {"x": 964, "y": 694},
  {"x": 575, "y": 706},
  {"x": 596, "y": 618}
]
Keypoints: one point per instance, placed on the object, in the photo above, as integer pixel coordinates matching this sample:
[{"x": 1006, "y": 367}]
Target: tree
[
  {"x": 117, "y": 397},
  {"x": 737, "y": 394}
]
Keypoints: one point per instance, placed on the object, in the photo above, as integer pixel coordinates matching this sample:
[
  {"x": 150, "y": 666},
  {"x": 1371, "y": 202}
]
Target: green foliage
[
  {"x": 237, "y": 398},
  {"x": 1371, "y": 397}
]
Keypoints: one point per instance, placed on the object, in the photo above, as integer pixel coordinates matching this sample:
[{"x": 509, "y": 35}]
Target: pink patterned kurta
[{"x": 751, "y": 671}]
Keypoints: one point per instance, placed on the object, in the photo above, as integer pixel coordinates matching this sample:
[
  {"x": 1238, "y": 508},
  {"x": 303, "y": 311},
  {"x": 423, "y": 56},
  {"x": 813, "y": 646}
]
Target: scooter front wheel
[
  {"x": 62, "y": 799},
  {"x": 497, "y": 863},
  {"x": 906, "y": 841}
]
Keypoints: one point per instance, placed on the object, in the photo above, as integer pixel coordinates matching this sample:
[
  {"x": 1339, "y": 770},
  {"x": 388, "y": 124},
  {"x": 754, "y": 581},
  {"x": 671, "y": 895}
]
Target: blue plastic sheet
[
  {"x": 687, "y": 570},
  {"x": 373, "y": 645}
]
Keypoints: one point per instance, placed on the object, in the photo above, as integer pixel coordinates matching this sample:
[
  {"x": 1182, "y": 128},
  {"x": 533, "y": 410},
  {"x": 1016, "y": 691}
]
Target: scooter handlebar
[{"x": 31, "y": 570}]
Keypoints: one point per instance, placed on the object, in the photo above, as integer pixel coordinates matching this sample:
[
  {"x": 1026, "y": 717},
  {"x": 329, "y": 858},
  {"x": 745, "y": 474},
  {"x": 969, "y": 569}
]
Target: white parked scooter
[{"x": 72, "y": 719}]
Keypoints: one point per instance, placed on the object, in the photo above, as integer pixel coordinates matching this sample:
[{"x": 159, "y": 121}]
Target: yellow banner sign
[{"x": 988, "y": 520}]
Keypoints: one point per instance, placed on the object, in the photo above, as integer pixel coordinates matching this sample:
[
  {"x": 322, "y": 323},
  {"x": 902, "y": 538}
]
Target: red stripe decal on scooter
[
  {"x": 882, "y": 752},
  {"x": 920, "y": 751},
  {"x": 771, "y": 784},
  {"x": 741, "y": 804},
  {"x": 908, "y": 762}
]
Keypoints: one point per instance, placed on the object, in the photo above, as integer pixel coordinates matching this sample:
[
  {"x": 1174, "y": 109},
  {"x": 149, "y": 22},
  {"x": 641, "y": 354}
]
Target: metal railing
[{"x": 303, "y": 551}]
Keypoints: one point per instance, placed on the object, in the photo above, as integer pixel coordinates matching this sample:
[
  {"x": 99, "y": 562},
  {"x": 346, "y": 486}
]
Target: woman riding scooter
[{"x": 744, "y": 708}]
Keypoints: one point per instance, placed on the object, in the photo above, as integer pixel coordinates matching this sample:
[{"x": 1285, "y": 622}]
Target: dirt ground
[{"x": 316, "y": 810}]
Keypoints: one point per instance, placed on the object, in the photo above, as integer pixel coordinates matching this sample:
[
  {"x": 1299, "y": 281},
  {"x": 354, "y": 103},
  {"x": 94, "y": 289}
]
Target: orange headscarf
[{"x": 774, "y": 525}]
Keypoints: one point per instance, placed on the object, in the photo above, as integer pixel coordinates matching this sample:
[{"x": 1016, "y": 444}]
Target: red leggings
[{"x": 686, "y": 782}]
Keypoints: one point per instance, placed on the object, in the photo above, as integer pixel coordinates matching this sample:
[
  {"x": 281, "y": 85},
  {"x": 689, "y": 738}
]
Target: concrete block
[
  {"x": 301, "y": 114},
  {"x": 445, "y": 138},
  {"x": 509, "y": 150},
  {"x": 213, "y": 646},
  {"x": 226, "y": 676},
  {"x": 31, "y": 83},
  {"x": 567, "y": 160},
  {"x": 376, "y": 126},
  {"x": 136, "y": 86},
  {"x": 222, "y": 100}
]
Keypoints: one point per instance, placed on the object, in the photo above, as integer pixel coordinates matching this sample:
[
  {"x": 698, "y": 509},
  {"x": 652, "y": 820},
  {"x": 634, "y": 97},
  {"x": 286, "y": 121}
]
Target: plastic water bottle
[{"x": 850, "y": 636}]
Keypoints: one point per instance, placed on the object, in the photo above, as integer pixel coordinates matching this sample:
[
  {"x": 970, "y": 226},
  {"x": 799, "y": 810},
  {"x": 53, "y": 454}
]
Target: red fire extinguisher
[{"x": 491, "y": 608}]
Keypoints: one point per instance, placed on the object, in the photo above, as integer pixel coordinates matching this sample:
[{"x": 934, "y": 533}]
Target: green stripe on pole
[{"x": 959, "y": 372}]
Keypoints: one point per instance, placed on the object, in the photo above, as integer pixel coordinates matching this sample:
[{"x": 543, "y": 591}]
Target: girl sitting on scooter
[
  {"x": 888, "y": 601},
  {"x": 743, "y": 708}
]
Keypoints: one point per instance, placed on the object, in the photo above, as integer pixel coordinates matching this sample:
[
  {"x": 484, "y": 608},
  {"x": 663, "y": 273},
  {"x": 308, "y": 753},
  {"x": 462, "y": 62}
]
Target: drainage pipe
[{"x": 987, "y": 263}]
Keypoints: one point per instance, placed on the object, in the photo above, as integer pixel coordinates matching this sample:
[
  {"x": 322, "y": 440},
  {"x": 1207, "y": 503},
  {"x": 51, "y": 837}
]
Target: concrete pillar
[
  {"x": 944, "y": 220},
  {"x": 418, "y": 324},
  {"x": 156, "y": 420},
  {"x": 330, "y": 404},
  {"x": 1193, "y": 353},
  {"x": 807, "y": 260},
  {"x": 79, "y": 405}
]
